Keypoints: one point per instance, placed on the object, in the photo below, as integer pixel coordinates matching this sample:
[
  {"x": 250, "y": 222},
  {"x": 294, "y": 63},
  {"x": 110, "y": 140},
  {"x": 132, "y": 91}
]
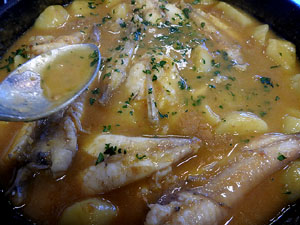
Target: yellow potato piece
[
  {"x": 242, "y": 123},
  {"x": 89, "y": 212},
  {"x": 295, "y": 83},
  {"x": 120, "y": 11},
  {"x": 80, "y": 8},
  {"x": 153, "y": 16},
  {"x": 291, "y": 125},
  {"x": 202, "y": 59},
  {"x": 234, "y": 14},
  {"x": 291, "y": 178},
  {"x": 207, "y": 2},
  {"x": 293, "y": 112},
  {"x": 211, "y": 117},
  {"x": 260, "y": 33},
  {"x": 52, "y": 17},
  {"x": 174, "y": 14},
  {"x": 19, "y": 60},
  {"x": 111, "y": 3},
  {"x": 282, "y": 53}
]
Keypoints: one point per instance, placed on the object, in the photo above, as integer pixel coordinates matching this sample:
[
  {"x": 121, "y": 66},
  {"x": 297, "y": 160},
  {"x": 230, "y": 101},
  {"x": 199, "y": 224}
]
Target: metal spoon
[{"x": 22, "y": 97}]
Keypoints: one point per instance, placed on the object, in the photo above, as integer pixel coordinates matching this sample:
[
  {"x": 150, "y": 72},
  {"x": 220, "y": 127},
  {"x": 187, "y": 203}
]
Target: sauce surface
[{"x": 71, "y": 69}]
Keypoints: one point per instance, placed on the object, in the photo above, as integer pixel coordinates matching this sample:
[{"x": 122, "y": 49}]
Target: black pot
[{"x": 17, "y": 16}]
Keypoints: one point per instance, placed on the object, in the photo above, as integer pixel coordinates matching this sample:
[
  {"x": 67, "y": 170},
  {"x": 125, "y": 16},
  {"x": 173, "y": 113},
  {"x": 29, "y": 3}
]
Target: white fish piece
[
  {"x": 257, "y": 161},
  {"x": 42, "y": 44},
  {"x": 162, "y": 94},
  {"x": 153, "y": 115},
  {"x": 63, "y": 139},
  {"x": 63, "y": 146},
  {"x": 218, "y": 31},
  {"x": 19, "y": 148},
  {"x": 144, "y": 156},
  {"x": 116, "y": 72},
  {"x": 53, "y": 148},
  {"x": 95, "y": 35},
  {"x": 186, "y": 208},
  {"x": 151, "y": 10},
  {"x": 262, "y": 157},
  {"x": 135, "y": 82}
]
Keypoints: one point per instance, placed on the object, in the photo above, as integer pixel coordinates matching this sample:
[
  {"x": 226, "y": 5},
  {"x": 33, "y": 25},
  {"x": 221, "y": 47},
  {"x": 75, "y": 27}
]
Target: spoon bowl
[{"x": 48, "y": 82}]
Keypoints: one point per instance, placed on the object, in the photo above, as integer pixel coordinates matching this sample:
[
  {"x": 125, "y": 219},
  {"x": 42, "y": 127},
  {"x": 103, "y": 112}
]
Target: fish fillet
[
  {"x": 144, "y": 156},
  {"x": 207, "y": 204}
]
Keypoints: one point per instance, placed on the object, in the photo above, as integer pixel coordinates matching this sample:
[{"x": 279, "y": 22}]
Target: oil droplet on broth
[{"x": 67, "y": 73}]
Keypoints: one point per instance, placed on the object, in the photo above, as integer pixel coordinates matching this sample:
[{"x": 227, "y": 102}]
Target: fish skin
[
  {"x": 47, "y": 43},
  {"x": 120, "y": 169},
  {"x": 54, "y": 149},
  {"x": 213, "y": 29},
  {"x": 186, "y": 209},
  {"x": 257, "y": 161}
]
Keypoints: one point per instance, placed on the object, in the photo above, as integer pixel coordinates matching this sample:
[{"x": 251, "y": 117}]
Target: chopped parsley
[
  {"x": 123, "y": 25},
  {"x": 262, "y": 114},
  {"x": 91, "y": 5},
  {"x": 182, "y": 84},
  {"x": 10, "y": 60},
  {"x": 273, "y": 67},
  {"x": 245, "y": 140},
  {"x": 163, "y": 7},
  {"x": 92, "y": 101},
  {"x": 147, "y": 71},
  {"x": 107, "y": 128},
  {"x": 106, "y": 75},
  {"x": 198, "y": 101},
  {"x": 95, "y": 58},
  {"x": 163, "y": 115},
  {"x": 154, "y": 78},
  {"x": 113, "y": 150},
  {"x": 96, "y": 91},
  {"x": 186, "y": 12},
  {"x": 140, "y": 157},
  {"x": 137, "y": 34},
  {"x": 100, "y": 158},
  {"x": 281, "y": 157},
  {"x": 162, "y": 63},
  {"x": 266, "y": 81}
]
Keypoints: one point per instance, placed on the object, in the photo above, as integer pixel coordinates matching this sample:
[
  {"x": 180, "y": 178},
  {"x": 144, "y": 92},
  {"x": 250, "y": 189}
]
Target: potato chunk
[
  {"x": 52, "y": 17},
  {"x": 295, "y": 83},
  {"x": 202, "y": 59},
  {"x": 91, "y": 211},
  {"x": 234, "y": 14},
  {"x": 291, "y": 125},
  {"x": 282, "y": 52},
  {"x": 260, "y": 33},
  {"x": 242, "y": 123},
  {"x": 207, "y": 2},
  {"x": 174, "y": 14},
  {"x": 120, "y": 11},
  {"x": 19, "y": 60},
  {"x": 111, "y": 3},
  {"x": 80, "y": 8},
  {"x": 291, "y": 178}
]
